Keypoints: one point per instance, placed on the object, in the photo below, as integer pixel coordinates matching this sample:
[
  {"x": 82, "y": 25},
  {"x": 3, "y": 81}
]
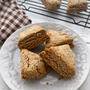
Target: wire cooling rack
[{"x": 35, "y": 6}]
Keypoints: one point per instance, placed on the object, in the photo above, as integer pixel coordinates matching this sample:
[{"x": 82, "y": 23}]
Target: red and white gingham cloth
[{"x": 11, "y": 18}]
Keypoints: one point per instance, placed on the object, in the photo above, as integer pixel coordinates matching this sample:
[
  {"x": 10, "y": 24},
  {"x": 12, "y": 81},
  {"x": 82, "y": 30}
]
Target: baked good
[
  {"x": 32, "y": 37},
  {"x": 75, "y": 6},
  {"x": 58, "y": 38},
  {"x": 32, "y": 65},
  {"x": 51, "y": 5},
  {"x": 61, "y": 59}
]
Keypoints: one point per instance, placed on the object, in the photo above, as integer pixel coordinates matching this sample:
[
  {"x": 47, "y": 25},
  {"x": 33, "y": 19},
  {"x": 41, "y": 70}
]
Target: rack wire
[{"x": 35, "y": 6}]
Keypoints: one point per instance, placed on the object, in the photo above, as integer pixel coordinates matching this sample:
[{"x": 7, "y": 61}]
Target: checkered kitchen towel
[{"x": 11, "y": 18}]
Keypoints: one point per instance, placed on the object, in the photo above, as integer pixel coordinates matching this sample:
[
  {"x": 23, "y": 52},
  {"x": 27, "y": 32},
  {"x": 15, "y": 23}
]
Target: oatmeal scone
[
  {"x": 61, "y": 59},
  {"x": 32, "y": 37},
  {"x": 75, "y": 6},
  {"x": 52, "y": 5},
  {"x": 32, "y": 65},
  {"x": 58, "y": 38}
]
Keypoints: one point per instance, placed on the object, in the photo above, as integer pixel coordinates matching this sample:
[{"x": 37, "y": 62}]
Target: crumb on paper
[{"x": 47, "y": 83}]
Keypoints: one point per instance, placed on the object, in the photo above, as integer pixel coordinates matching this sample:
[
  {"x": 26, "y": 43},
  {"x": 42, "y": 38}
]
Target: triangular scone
[
  {"x": 76, "y": 6},
  {"x": 51, "y": 5},
  {"x": 58, "y": 38},
  {"x": 32, "y": 37},
  {"x": 61, "y": 59},
  {"x": 32, "y": 65}
]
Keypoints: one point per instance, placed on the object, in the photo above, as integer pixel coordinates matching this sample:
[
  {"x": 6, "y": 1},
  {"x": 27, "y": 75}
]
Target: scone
[
  {"x": 32, "y": 37},
  {"x": 61, "y": 59},
  {"x": 58, "y": 38},
  {"x": 75, "y": 6},
  {"x": 52, "y": 5},
  {"x": 32, "y": 65}
]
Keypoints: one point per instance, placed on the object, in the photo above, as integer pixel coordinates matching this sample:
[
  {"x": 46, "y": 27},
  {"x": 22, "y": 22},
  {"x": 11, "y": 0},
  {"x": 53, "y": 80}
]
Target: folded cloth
[{"x": 11, "y": 18}]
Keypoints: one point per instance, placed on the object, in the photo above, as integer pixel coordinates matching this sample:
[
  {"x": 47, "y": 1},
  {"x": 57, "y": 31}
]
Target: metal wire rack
[{"x": 35, "y": 6}]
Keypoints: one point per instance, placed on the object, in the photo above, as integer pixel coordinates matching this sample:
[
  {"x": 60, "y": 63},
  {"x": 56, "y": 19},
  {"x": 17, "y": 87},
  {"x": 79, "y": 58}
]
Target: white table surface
[{"x": 83, "y": 32}]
